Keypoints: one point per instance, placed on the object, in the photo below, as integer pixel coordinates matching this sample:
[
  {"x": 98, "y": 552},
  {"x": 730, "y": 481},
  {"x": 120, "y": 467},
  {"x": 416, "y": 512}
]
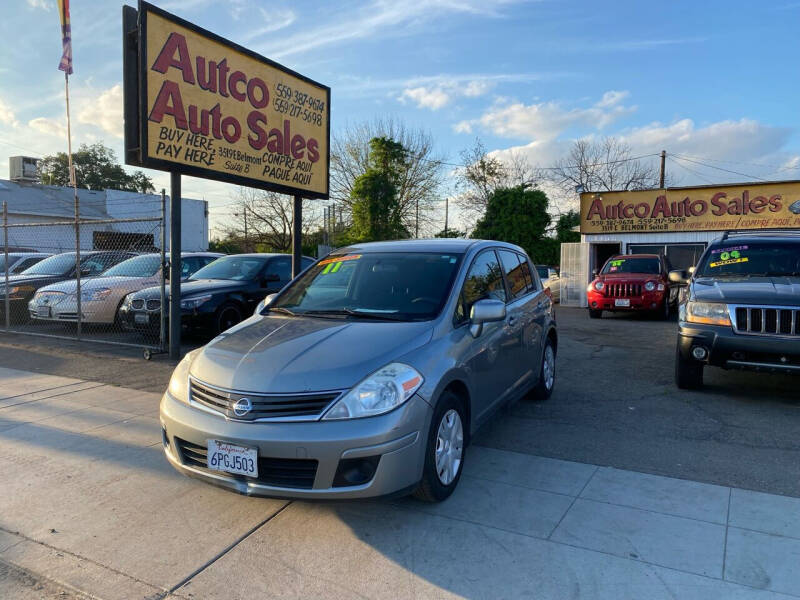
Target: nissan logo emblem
[{"x": 242, "y": 407}]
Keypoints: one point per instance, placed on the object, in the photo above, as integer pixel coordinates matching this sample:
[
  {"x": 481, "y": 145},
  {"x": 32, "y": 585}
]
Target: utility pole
[
  {"x": 416, "y": 222},
  {"x": 446, "y": 211},
  {"x": 663, "y": 165}
]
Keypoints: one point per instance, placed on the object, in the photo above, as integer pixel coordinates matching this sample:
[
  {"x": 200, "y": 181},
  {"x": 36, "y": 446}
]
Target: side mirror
[
  {"x": 269, "y": 278},
  {"x": 264, "y": 303},
  {"x": 485, "y": 311},
  {"x": 85, "y": 272},
  {"x": 678, "y": 277},
  {"x": 595, "y": 272}
]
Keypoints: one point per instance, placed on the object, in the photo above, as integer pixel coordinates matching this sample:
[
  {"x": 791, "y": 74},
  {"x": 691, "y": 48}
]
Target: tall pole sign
[{"x": 197, "y": 104}]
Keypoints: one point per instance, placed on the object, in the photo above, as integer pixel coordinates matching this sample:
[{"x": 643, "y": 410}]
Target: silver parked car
[{"x": 366, "y": 375}]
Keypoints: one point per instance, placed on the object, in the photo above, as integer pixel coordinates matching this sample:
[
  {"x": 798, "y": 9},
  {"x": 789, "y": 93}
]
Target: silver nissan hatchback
[{"x": 367, "y": 374}]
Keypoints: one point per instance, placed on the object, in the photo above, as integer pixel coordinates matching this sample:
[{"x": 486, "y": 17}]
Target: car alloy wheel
[
  {"x": 449, "y": 447},
  {"x": 549, "y": 367},
  {"x": 228, "y": 317}
]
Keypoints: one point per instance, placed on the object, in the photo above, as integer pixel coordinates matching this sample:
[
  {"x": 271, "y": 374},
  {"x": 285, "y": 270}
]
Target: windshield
[
  {"x": 649, "y": 266},
  {"x": 390, "y": 285},
  {"x": 141, "y": 266},
  {"x": 774, "y": 259},
  {"x": 60, "y": 264},
  {"x": 236, "y": 268}
]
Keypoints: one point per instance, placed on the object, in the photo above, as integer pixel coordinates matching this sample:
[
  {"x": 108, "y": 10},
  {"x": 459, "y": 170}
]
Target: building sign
[
  {"x": 707, "y": 208},
  {"x": 209, "y": 108}
]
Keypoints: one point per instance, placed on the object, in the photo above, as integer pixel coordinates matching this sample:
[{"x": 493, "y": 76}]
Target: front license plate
[
  {"x": 43, "y": 312},
  {"x": 141, "y": 319},
  {"x": 231, "y": 458},
  {"x": 626, "y": 302}
]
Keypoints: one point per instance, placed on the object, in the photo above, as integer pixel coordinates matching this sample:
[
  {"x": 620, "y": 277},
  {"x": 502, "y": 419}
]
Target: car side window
[
  {"x": 188, "y": 266},
  {"x": 484, "y": 281},
  {"x": 514, "y": 276},
  {"x": 282, "y": 267},
  {"x": 28, "y": 262},
  {"x": 527, "y": 272}
]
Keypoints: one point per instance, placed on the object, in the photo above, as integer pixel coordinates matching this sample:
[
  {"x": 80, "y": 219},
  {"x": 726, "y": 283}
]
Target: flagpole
[{"x": 74, "y": 183}]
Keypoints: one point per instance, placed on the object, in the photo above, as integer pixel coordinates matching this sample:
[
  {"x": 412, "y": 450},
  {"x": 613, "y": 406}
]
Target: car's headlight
[
  {"x": 192, "y": 303},
  {"x": 179, "y": 382},
  {"x": 599, "y": 285},
  {"x": 710, "y": 313},
  {"x": 650, "y": 286},
  {"x": 384, "y": 390},
  {"x": 126, "y": 301},
  {"x": 96, "y": 294}
]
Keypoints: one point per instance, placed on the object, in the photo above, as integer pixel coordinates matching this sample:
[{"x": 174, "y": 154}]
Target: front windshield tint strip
[{"x": 395, "y": 286}]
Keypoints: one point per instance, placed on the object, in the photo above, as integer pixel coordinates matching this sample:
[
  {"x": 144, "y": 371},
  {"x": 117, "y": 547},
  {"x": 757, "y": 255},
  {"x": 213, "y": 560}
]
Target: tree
[
  {"x": 375, "y": 205},
  {"x": 481, "y": 174},
  {"x": 418, "y": 180},
  {"x": 262, "y": 221},
  {"x": 451, "y": 233},
  {"x": 516, "y": 215},
  {"x": 602, "y": 165},
  {"x": 564, "y": 226},
  {"x": 96, "y": 168}
]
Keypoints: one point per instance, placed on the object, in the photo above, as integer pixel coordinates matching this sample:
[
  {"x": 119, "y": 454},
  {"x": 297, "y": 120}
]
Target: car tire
[
  {"x": 447, "y": 434},
  {"x": 228, "y": 315},
  {"x": 688, "y": 373},
  {"x": 547, "y": 373},
  {"x": 595, "y": 314}
]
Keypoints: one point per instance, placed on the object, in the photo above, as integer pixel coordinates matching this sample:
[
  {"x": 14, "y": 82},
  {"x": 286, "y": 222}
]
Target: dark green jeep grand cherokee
[{"x": 741, "y": 309}]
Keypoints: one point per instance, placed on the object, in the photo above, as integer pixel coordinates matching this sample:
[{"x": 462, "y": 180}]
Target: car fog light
[
  {"x": 699, "y": 352},
  {"x": 356, "y": 471}
]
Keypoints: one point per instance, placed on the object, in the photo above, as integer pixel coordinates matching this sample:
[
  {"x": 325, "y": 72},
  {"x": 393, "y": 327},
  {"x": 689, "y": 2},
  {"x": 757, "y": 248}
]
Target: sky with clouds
[{"x": 712, "y": 81}]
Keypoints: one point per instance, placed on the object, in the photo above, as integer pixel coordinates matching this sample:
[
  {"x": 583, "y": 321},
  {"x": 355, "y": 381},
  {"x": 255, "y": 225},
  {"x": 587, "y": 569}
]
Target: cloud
[
  {"x": 375, "y": 18},
  {"x": 433, "y": 98},
  {"x": 7, "y": 115},
  {"x": 41, "y": 4},
  {"x": 105, "y": 111},
  {"x": 547, "y": 120},
  {"x": 275, "y": 19},
  {"x": 49, "y": 127}
]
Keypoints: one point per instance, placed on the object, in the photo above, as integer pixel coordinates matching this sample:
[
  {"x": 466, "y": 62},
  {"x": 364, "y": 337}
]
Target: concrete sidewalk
[{"x": 88, "y": 502}]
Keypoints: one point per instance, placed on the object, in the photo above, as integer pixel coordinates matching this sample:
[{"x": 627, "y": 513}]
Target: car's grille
[
  {"x": 153, "y": 304},
  {"x": 296, "y": 473},
  {"x": 294, "y": 407},
  {"x": 766, "y": 320},
  {"x": 623, "y": 290},
  {"x": 138, "y": 304}
]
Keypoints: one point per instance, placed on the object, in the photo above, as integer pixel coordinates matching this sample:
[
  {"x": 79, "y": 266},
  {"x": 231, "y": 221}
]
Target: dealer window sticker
[
  {"x": 729, "y": 250},
  {"x": 730, "y": 256},
  {"x": 335, "y": 259}
]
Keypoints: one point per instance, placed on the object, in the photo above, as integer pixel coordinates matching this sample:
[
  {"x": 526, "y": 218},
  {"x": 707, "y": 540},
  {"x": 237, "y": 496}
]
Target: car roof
[
  {"x": 758, "y": 236},
  {"x": 616, "y": 256},
  {"x": 460, "y": 245}
]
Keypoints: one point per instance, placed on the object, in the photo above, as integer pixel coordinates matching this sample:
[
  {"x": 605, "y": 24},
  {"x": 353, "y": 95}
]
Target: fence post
[
  {"x": 78, "y": 262},
  {"x": 163, "y": 315},
  {"x": 7, "y": 309},
  {"x": 175, "y": 266}
]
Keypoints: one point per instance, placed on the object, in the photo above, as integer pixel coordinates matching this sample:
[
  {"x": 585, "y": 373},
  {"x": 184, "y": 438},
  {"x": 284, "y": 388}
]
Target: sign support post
[
  {"x": 174, "y": 266},
  {"x": 297, "y": 235}
]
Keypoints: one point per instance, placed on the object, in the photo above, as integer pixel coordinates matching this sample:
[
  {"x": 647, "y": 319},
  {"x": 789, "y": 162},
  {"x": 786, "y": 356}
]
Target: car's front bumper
[
  {"x": 398, "y": 438},
  {"x": 92, "y": 311},
  {"x": 647, "y": 301},
  {"x": 766, "y": 353}
]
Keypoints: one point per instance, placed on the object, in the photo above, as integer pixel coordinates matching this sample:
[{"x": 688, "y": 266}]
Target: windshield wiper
[
  {"x": 283, "y": 311},
  {"x": 349, "y": 312},
  {"x": 777, "y": 274}
]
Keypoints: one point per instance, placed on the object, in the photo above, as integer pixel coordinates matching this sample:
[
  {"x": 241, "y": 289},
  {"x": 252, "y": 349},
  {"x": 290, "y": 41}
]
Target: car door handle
[{"x": 512, "y": 320}]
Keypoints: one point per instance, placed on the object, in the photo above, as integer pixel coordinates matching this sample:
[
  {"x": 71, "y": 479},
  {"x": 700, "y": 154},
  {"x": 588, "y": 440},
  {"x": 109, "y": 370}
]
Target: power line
[
  {"x": 692, "y": 171},
  {"x": 679, "y": 157}
]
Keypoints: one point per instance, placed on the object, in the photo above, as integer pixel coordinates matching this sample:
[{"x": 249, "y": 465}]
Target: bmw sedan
[{"x": 367, "y": 375}]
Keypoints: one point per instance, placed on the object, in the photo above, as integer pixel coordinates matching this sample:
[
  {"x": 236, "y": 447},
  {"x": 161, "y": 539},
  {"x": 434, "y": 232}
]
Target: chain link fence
[{"x": 80, "y": 278}]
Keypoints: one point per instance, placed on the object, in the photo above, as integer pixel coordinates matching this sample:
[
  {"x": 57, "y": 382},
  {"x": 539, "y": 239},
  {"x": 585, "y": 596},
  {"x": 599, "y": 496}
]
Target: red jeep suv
[{"x": 631, "y": 282}]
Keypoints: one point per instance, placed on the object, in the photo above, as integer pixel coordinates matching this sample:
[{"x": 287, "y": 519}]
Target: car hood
[
  {"x": 277, "y": 354},
  {"x": 779, "y": 291},
  {"x": 115, "y": 283},
  {"x": 197, "y": 287}
]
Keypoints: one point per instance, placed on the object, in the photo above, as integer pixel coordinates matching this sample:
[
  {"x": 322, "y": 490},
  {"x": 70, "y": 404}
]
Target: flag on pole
[{"x": 66, "y": 37}]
